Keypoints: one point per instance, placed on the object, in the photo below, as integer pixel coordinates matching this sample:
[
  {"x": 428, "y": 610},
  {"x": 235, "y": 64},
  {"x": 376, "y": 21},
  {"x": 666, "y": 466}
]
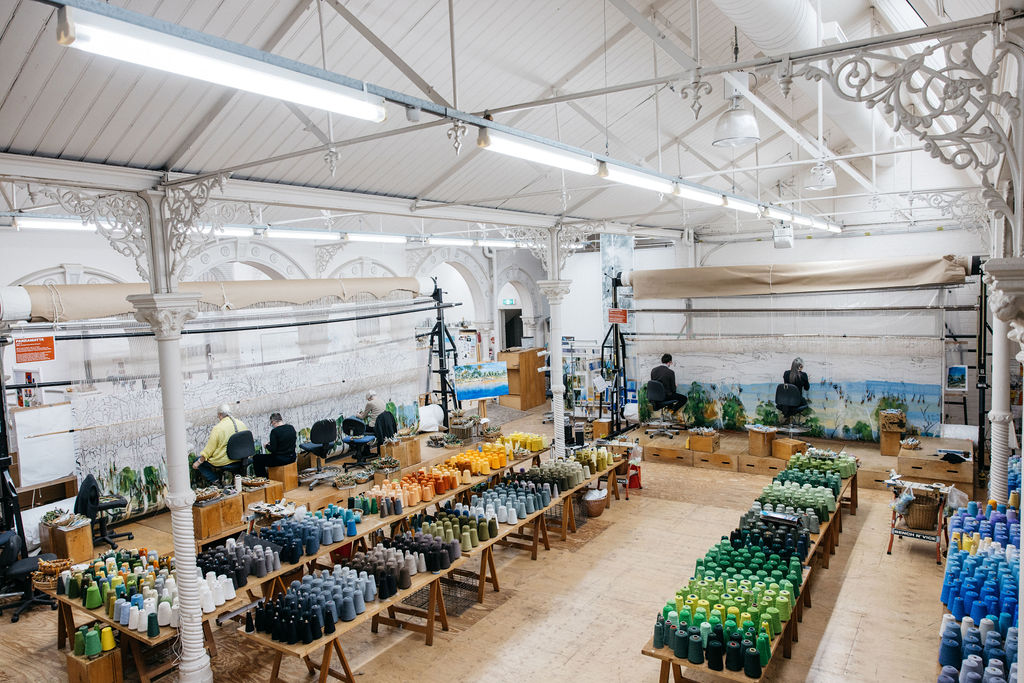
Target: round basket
[
  {"x": 923, "y": 513},
  {"x": 595, "y": 507}
]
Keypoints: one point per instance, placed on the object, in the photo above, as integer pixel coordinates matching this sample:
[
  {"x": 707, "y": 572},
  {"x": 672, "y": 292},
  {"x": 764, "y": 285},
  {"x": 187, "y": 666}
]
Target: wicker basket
[
  {"x": 595, "y": 507},
  {"x": 923, "y": 513}
]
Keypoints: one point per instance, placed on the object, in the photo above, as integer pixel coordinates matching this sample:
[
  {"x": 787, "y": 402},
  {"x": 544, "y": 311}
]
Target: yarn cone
[
  {"x": 79, "y": 646},
  {"x": 92, "y": 644},
  {"x": 107, "y": 642},
  {"x": 93, "y": 599}
]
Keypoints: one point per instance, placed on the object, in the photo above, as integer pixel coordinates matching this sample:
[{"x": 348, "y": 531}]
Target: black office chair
[
  {"x": 354, "y": 434},
  {"x": 323, "y": 437},
  {"x": 16, "y": 575},
  {"x": 241, "y": 449},
  {"x": 790, "y": 402},
  {"x": 658, "y": 398},
  {"x": 96, "y": 507}
]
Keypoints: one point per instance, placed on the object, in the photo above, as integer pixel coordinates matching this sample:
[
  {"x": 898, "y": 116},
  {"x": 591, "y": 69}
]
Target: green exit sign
[{"x": 508, "y": 302}]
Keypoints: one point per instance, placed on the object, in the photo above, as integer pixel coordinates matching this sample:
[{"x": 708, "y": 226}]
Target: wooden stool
[{"x": 287, "y": 474}]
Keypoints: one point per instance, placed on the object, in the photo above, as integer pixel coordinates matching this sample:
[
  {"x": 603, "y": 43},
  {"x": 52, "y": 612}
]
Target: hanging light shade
[
  {"x": 736, "y": 127},
  {"x": 821, "y": 177}
]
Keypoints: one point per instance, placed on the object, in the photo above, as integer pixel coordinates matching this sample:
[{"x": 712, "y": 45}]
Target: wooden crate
[
  {"x": 231, "y": 511},
  {"x": 933, "y": 468},
  {"x": 783, "y": 449},
  {"x": 106, "y": 668},
  {"x": 288, "y": 475},
  {"x": 889, "y": 443},
  {"x": 872, "y": 479},
  {"x": 45, "y": 542},
  {"x": 753, "y": 464},
  {"x": 273, "y": 492},
  {"x": 411, "y": 456},
  {"x": 716, "y": 461},
  {"x": 704, "y": 444},
  {"x": 673, "y": 454},
  {"x": 73, "y": 544},
  {"x": 206, "y": 520},
  {"x": 760, "y": 443},
  {"x": 250, "y": 497}
]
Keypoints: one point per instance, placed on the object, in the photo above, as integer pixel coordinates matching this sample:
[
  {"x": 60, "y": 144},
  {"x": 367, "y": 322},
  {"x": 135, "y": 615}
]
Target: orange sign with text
[
  {"x": 33, "y": 349},
  {"x": 618, "y": 315}
]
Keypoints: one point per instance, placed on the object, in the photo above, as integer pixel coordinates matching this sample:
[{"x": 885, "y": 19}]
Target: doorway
[{"x": 512, "y": 322}]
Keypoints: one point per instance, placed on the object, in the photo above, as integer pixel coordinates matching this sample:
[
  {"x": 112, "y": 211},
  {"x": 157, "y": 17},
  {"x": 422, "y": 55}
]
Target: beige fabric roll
[
  {"x": 793, "y": 278},
  {"x": 83, "y": 302}
]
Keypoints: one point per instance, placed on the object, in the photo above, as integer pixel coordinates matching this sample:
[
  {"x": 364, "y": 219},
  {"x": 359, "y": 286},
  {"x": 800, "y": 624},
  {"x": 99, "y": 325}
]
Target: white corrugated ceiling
[{"x": 63, "y": 103}]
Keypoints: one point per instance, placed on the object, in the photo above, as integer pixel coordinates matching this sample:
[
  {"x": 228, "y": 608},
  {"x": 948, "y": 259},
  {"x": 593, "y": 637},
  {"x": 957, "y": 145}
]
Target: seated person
[
  {"x": 280, "y": 450},
  {"x": 214, "y": 458},
  {"x": 796, "y": 376},
  {"x": 374, "y": 407},
  {"x": 667, "y": 377}
]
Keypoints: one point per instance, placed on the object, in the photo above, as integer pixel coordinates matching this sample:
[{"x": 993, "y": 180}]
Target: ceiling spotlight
[
  {"x": 736, "y": 127},
  {"x": 821, "y": 177},
  {"x": 412, "y": 114}
]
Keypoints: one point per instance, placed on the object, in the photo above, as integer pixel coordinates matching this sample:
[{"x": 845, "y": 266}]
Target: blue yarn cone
[
  {"x": 949, "y": 653},
  {"x": 958, "y": 608}
]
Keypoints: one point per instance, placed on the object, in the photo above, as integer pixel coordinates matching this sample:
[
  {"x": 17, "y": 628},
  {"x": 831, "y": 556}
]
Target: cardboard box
[
  {"x": 73, "y": 544},
  {"x": 783, "y": 449},
  {"x": 965, "y": 486},
  {"x": 889, "y": 443},
  {"x": 602, "y": 427},
  {"x": 716, "y": 461},
  {"x": 704, "y": 444},
  {"x": 106, "y": 668},
  {"x": 760, "y": 443},
  {"x": 755, "y": 464},
  {"x": 672, "y": 454},
  {"x": 288, "y": 475}
]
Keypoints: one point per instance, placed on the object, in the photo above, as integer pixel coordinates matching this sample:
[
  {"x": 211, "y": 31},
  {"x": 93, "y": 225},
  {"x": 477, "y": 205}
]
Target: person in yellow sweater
[{"x": 215, "y": 455}]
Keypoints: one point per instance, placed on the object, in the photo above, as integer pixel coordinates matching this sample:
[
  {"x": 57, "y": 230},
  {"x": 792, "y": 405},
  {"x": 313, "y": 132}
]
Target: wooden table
[
  {"x": 568, "y": 522},
  {"x": 136, "y": 643},
  {"x": 332, "y": 644},
  {"x": 822, "y": 547},
  {"x": 790, "y": 634}
]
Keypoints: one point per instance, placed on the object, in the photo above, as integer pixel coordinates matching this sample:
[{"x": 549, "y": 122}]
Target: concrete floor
[{"x": 583, "y": 610}]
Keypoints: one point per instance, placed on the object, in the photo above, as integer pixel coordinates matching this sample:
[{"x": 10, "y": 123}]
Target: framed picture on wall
[{"x": 956, "y": 378}]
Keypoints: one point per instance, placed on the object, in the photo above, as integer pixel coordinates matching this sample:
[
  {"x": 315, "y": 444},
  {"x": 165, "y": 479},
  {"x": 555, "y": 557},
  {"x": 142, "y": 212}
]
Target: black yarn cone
[
  {"x": 250, "y": 626},
  {"x": 307, "y": 632}
]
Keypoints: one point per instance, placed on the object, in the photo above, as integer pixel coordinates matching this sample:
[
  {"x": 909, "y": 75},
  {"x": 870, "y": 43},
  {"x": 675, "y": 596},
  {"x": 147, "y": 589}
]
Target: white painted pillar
[
  {"x": 166, "y": 314},
  {"x": 556, "y": 291},
  {"x": 1000, "y": 414}
]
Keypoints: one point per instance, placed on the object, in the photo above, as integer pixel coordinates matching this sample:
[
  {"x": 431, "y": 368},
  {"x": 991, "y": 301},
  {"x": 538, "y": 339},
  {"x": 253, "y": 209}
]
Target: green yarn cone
[
  {"x": 79, "y": 647},
  {"x": 92, "y": 597},
  {"x": 92, "y": 644}
]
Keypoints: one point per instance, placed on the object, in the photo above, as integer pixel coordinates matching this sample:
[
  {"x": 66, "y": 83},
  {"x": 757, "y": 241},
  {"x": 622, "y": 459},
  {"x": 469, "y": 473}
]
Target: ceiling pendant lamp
[
  {"x": 736, "y": 127},
  {"x": 821, "y": 177}
]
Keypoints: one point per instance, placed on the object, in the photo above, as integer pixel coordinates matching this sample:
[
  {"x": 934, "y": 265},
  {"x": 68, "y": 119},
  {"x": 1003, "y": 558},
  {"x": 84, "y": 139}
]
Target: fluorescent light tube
[
  {"x": 235, "y": 231},
  {"x": 628, "y": 176},
  {"x": 379, "y": 238},
  {"x": 778, "y": 214},
  {"x": 496, "y": 244},
  {"x": 450, "y": 241},
  {"x": 43, "y": 223},
  {"x": 834, "y": 228},
  {"x": 286, "y": 234},
  {"x": 522, "y": 148},
  {"x": 743, "y": 205},
  {"x": 108, "y": 37},
  {"x": 805, "y": 221},
  {"x": 822, "y": 224},
  {"x": 698, "y": 195}
]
